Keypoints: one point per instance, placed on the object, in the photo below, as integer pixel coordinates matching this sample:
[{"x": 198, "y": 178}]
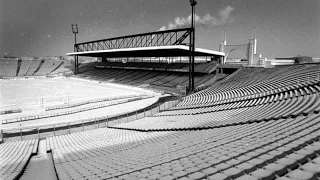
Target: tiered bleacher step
[
  {"x": 11, "y": 68},
  {"x": 14, "y": 157},
  {"x": 39, "y": 67},
  {"x": 271, "y": 107},
  {"x": 8, "y": 67},
  {"x": 33, "y": 67},
  {"x": 47, "y": 67},
  {"x": 266, "y": 84},
  {"x": 40, "y": 165},
  {"x": 165, "y": 77},
  {"x": 24, "y": 67},
  {"x": 276, "y": 148}
]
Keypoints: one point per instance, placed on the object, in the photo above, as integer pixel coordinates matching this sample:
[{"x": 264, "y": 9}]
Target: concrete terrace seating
[
  {"x": 260, "y": 85},
  {"x": 221, "y": 106},
  {"x": 272, "y": 107},
  {"x": 67, "y": 66},
  {"x": 267, "y": 149},
  {"x": 14, "y": 157},
  {"x": 3, "y": 68},
  {"x": 8, "y": 67},
  {"x": 145, "y": 77},
  {"x": 24, "y": 67},
  {"x": 33, "y": 67},
  {"x": 37, "y": 67},
  {"x": 238, "y": 95},
  {"x": 47, "y": 67}
]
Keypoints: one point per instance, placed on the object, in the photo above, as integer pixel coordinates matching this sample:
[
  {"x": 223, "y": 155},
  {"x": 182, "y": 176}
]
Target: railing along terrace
[
  {"x": 158, "y": 38},
  {"x": 54, "y": 129}
]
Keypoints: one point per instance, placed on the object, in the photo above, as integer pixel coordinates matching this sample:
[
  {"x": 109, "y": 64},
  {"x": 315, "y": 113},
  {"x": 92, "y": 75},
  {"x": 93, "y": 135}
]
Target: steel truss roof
[
  {"x": 151, "y": 39},
  {"x": 160, "y": 51}
]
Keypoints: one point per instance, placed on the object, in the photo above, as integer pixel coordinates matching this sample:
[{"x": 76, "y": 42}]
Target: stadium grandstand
[
  {"x": 18, "y": 67},
  {"x": 128, "y": 116}
]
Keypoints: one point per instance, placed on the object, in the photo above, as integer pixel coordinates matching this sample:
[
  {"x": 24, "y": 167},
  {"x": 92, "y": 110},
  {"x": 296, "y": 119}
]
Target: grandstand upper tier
[{"x": 166, "y": 77}]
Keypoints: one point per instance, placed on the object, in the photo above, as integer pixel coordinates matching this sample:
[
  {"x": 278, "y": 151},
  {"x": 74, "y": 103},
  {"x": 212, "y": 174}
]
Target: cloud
[{"x": 224, "y": 17}]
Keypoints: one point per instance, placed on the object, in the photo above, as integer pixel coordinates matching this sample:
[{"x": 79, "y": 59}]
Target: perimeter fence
[{"x": 47, "y": 130}]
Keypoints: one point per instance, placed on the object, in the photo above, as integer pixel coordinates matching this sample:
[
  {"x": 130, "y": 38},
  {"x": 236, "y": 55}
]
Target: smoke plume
[{"x": 207, "y": 20}]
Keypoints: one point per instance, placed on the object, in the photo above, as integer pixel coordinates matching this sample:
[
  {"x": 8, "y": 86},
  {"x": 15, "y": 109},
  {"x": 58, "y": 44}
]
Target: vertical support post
[
  {"x": 38, "y": 133},
  {"x": 190, "y": 61},
  {"x": 193, "y": 47},
  {"x": 54, "y": 130},
  {"x": 76, "y": 57},
  {"x": 75, "y": 31},
  {"x": 75, "y": 64},
  {"x": 2, "y": 138}
]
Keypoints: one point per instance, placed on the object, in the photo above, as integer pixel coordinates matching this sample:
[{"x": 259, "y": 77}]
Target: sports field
[
  {"x": 37, "y": 93},
  {"x": 33, "y": 95}
]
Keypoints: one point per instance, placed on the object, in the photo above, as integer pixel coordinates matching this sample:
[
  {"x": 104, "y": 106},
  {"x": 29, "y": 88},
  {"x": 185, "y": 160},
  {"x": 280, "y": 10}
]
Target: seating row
[
  {"x": 265, "y": 127},
  {"x": 229, "y": 104},
  {"x": 14, "y": 157},
  {"x": 256, "y": 110},
  {"x": 300, "y": 76},
  {"x": 14, "y": 68},
  {"x": 267, "y": 149},
  {"x": 145, "y": 77}
]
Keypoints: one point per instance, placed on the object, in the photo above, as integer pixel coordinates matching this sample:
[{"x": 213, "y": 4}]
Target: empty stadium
[{"x": 154, "y": 107}]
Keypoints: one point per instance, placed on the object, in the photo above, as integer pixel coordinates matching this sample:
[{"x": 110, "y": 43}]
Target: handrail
[{"x": 52, "y": 127}]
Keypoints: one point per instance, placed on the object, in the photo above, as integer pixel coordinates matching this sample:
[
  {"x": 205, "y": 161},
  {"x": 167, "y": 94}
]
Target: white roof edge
[
  {"x": 149, "y": 48},
  {"x": 210, "y": 51}
]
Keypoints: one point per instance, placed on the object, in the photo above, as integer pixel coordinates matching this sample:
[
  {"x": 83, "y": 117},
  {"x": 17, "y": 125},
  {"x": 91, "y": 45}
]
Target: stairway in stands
[{"x": 41, "y": 165}]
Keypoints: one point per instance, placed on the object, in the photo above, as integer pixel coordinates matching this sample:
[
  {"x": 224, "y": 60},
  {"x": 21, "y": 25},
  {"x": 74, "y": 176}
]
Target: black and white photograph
[{"x": 159, "y": 90}]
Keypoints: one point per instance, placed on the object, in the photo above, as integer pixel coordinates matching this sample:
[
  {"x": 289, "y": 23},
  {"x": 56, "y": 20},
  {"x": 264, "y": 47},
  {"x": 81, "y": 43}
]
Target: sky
[{"x": 43, "y": 27}]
